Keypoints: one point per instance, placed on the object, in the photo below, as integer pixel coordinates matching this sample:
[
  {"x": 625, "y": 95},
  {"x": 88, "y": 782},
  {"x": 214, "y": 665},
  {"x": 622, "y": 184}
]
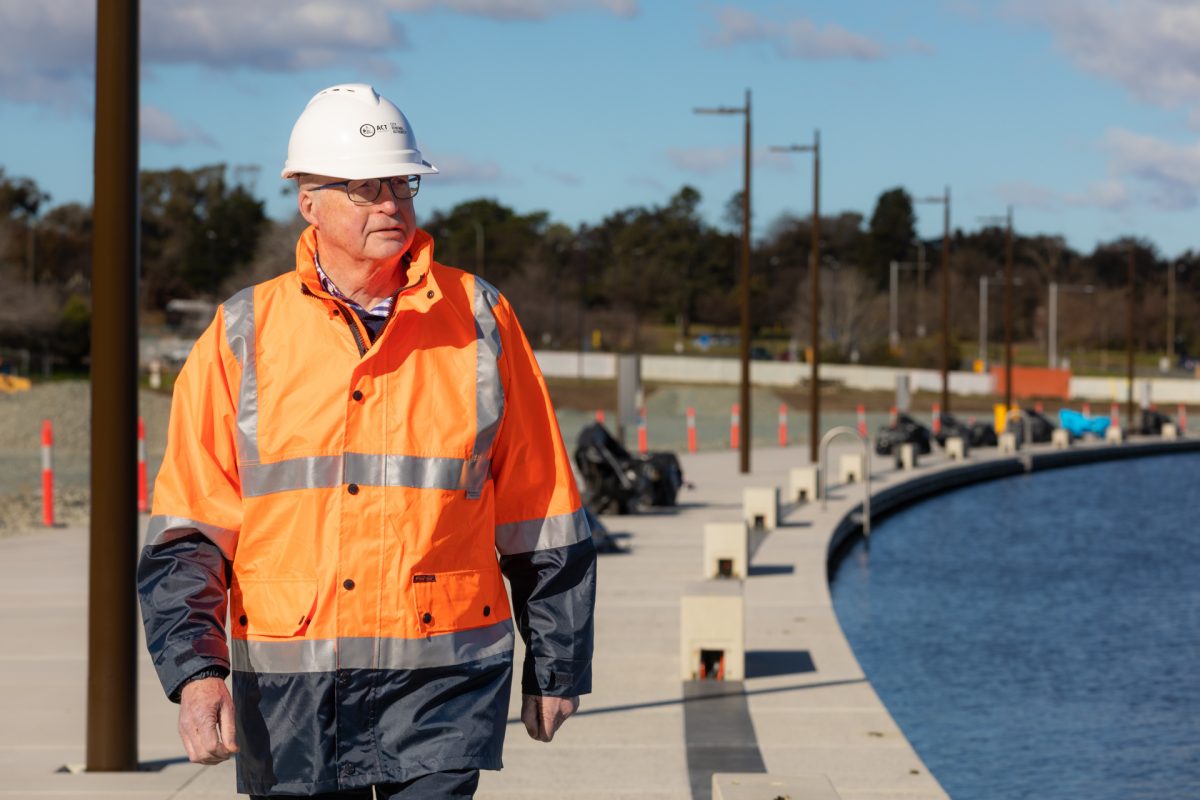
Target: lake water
[{"x": 1040, "y": 636}]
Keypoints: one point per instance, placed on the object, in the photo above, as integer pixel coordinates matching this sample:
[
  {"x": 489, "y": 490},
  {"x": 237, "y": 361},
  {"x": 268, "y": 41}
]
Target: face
[{"x": 380, "y": 231}]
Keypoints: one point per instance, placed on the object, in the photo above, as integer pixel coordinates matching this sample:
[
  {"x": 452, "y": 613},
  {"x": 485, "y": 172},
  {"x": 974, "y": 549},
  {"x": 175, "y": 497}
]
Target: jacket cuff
[
  {"x": 556, "y": 677},
  {"x": 210, "y": 672},
  {"x": 183, "y": 660}
]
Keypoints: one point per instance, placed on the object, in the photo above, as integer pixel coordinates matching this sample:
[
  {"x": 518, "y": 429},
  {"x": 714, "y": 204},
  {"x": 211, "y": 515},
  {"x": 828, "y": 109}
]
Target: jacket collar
[{"x": 421, "y": 293}]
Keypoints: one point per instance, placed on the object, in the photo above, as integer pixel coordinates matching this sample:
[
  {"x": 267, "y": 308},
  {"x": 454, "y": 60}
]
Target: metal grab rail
[{"x": 823, "y": 488}]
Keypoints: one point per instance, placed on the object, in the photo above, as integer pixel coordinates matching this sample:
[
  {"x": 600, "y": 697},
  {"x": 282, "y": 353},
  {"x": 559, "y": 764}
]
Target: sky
[{"x": 1084, "y": 115}]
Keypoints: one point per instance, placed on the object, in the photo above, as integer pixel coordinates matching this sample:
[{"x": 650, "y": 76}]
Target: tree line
[{"x": 644, "y": 278}]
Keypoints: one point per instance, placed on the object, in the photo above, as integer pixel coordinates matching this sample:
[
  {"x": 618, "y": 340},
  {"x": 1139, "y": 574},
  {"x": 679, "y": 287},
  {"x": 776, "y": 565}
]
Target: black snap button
[
  {"x": 349, "y": 584},
  {"x": 429, "y": 294},
  {"x": 349, "y": 770},
  {"x": 427, "y": 618},
  {"x": 487, "y": 611},
  {"x": 357, "y": 395},
  {"x": 352, "y": 488},
  {"x": 242, "y": 619},
  {"x": 343, "y": 678}
]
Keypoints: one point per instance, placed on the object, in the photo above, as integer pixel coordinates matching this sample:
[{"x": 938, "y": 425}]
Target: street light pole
[
  {"x": 1170, "y": 314},
  {"x": 920, "y": 289},
  {"x": 944, "y": 200},
  {"x": 814, "y": 272},
  {"x": 1129, "y": 342},
  {"x": 1008, "y": 315},
  {"x": 1052, "y": 335},
  {"x": 744, "y": 283},
  {"x": 1008, "y": 303},
  {"x": 983, "y": 319}
]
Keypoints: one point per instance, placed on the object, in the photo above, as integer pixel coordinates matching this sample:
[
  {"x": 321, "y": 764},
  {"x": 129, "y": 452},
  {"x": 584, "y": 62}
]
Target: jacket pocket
[
  {"x": 455, "y": 601},
  {"x": 280, "y": 608}
]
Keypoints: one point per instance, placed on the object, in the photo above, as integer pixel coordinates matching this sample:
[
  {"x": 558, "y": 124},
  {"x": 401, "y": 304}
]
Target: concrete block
[
  {"x": 1060, "y": 439},
  {"x": 906, "y": 456},
  {"x": 850, "y": 468},
  {"x": 802, "y": 484},
  {"x": 1007, "y": 442},
  {"x": 760, "y": 507},
  {"x": 1114, "y": 435},
  {"x": 1169, "y": 432},
  {"x": 756, "y": 786},
  {"x": 956, "y": 448},
  {"x": 726, "y": 550},
  {"x": 712, "y": 631}
]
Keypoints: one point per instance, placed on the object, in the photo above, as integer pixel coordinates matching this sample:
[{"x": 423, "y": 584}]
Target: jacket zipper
[{"x": 354, "y": 331}]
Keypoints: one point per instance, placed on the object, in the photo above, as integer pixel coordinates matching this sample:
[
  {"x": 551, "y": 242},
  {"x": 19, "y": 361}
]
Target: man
[{"x": 350, "y": 446}]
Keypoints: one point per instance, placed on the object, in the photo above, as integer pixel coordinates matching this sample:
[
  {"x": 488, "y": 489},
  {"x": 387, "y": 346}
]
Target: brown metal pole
[
  {"x": 946, "y": 304},
  {"x": 814, "y": 411},
  {"x": 112, "y": 639},
  {"x": 747, "y": 416},
  {"x": 1129, "y": 344},
  {"x": 1008, "y": 315}
]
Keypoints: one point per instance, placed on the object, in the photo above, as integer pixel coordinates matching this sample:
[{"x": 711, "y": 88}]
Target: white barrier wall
[{"x": 727, "y": 371}]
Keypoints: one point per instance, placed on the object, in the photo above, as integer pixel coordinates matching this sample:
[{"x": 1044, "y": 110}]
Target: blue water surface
[{"x": 1040, "y": 636}]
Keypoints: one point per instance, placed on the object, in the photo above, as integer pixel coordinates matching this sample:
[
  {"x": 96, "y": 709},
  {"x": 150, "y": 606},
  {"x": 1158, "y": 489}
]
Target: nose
[{"x": 388, "y": 196}]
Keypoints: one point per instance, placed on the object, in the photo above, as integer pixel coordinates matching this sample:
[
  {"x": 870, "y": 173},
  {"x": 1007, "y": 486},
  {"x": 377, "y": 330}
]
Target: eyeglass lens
[{"x": 367, "y": 191}]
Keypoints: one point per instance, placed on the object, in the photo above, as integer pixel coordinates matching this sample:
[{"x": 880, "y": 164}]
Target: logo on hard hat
[{"x": 367, "y": 130}]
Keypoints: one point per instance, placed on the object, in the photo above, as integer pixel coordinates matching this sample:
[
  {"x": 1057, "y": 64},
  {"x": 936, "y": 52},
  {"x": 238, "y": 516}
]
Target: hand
[
  {"x": 544, "y": 715},
  {"x": 206, "y": 721}
]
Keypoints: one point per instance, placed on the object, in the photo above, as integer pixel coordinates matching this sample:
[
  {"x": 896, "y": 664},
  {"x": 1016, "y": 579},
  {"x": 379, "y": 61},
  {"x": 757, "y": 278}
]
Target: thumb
[
  {"x": 531, "y": 713},
  {"x": 228, "y": 728}
]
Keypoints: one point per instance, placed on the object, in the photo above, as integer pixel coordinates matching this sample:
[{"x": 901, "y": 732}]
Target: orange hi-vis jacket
[{"x": 327, "y": 521}]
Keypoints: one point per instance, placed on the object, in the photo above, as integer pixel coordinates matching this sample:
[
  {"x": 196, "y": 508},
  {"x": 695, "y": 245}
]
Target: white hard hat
[{"x": 350, "y": 131}]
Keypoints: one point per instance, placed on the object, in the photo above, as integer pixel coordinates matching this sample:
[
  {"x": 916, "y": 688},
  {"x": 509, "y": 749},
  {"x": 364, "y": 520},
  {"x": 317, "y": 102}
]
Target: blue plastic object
[{"x": 1077, "y": 424}]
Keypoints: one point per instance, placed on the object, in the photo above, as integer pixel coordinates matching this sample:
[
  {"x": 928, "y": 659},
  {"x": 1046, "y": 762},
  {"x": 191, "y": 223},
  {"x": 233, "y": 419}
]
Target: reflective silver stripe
[
  {"x": 365, "y": 469},
  {"x": 328, "y": 655},
  {"x": 239, "y": 331},
  {"x": 163, "y": 529},
  {"x": 542, "y": 534},
  {"x": 309, "y": 472},
  {"x": 415, "y": 472},
  {"x": 489, "y": 393}
]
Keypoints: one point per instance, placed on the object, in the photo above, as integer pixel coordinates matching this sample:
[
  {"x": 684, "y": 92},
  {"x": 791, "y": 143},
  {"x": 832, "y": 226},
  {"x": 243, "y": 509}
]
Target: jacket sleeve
[
  {"x": 184, "y": 571},
  {"x": 543, "y": 538}
]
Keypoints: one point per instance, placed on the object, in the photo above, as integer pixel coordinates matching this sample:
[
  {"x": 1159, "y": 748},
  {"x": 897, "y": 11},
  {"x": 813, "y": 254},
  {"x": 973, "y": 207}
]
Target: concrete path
[{"x": 813, "y": 712}]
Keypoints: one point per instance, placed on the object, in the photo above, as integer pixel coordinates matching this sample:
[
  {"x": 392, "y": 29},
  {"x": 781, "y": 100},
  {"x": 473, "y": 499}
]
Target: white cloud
[
  {"x": 461, "y": 169},
  {"x": 796, "y": 38},
  {"x": 1141, "y": 170},
  {"x": 1147, "y": 46},
  {"x": 520, "y": 9},
  {"x": 47, "y": 49},
  {"x": 159, "y": 127},
  {"x": 565, "y": 178},
  {"x": 1170, "y": 172},
  {"x": 705, "y": 160},
  {"x": 1107, "y": 195}
]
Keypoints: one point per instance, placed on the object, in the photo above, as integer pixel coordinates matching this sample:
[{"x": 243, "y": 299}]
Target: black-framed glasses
[{"x": 366, "y": 191}]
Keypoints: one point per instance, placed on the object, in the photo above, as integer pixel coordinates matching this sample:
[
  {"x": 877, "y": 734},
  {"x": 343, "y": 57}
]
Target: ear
[{"x": 308, "y": 207}]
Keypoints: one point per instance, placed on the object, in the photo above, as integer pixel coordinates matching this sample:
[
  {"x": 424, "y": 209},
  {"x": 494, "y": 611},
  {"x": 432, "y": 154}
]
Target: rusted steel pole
[
  {"x": 814, "y": 416},
  {"x": 112, "y": 638},
  {"x": 744, "y": 291}
]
